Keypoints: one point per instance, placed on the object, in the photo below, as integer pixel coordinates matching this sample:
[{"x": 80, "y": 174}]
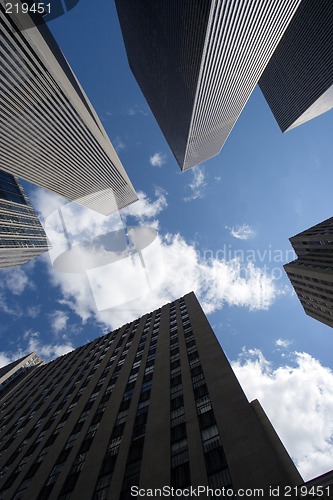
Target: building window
[
  {"x": 180, "y": 476},
  {"x": 131, "y": 477},
  {"x": 219, "y": 479}
]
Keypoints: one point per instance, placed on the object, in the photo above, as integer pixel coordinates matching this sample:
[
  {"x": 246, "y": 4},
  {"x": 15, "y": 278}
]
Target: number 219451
[{"x": 24, "y": 8}]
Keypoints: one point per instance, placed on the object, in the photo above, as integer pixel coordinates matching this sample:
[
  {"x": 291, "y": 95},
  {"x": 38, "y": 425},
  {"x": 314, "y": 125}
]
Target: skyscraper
[
  {"x": 22, "y": 236},
  {"x": 50, "y": 134},
  {"x": 154, "y": 403},
  {"x": 197, "y": 63},
  {"x": 311, "y": 274},
  {"x": 298, "y": 80},
  {"x": 11, "y": 374}
]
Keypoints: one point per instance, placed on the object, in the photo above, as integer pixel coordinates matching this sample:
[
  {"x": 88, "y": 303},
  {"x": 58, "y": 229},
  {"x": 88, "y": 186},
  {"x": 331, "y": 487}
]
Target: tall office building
[
  {"x": 311, "y": 274},
  {"x": 298, "y": 80},
  {"x": 154, "y": 403},
  {"x": 11, "y": 374},
  {"x": 22, "y": 236},
  {"x": 50, "y": 134},
  {"x": 197, "y": 63}
]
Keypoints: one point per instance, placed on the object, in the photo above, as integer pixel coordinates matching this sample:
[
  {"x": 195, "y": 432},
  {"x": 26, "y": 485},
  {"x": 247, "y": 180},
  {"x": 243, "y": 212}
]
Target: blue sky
[{"x": 223, "y": 230}]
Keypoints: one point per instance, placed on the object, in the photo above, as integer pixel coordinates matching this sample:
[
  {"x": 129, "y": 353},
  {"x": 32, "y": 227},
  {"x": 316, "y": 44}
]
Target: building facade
[
  {"x": 319, "y": 487},
  {"x": 50, "y": 134},
  {"x": 298, "y": 80},
  {"x": 154, "y": 403},
  {"x": 12, "y": 373},
  {"x": 198, "y": 62},
  {"x": 311, "y": 274},
  {"x": 22, "y": 236}
]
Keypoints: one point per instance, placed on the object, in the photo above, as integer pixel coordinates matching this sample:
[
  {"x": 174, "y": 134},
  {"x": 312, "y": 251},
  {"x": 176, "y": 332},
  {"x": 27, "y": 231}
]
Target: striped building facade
[
  {"x": 198, "y": 62},
  {"x": 50, "y": 134},
  {"x": 298, "y": 80}
]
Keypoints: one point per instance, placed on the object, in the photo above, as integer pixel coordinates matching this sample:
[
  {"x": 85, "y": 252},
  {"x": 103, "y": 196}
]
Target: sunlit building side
[
  {"x": 22, "y": 236},
  {"x": 197, "y": 63},
  {"x": 50, "y": 134}
]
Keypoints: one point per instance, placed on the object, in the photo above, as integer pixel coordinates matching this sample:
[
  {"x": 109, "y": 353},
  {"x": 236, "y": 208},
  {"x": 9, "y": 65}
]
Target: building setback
[
  {"x": 197, "y": 63},
  {"x": 298, "y": 80},
  {"x": 50, "y": 134},
  {"x": 319, "y": 487},
  {"x": 22, "y": 236},
  {"x": 154, "y": 403},
  {"x": 12, "y": 373},
  {"x": 311, "y": 274}
]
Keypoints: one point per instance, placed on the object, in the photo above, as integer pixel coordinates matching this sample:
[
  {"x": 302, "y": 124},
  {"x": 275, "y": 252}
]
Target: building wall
[
  {"x": 50, "y": 134},
  {"x": 298, "y": 80},
  {"x": 164, "y": 43},
  {"x": 22, "y": 236},
  {"x": 323, "y": 485},
  {"x": 12, "y": 373},
  {"x": 198, "y": 62},
  {"x": 311, "y": 275},
  {"x": 154, "y": 403}
]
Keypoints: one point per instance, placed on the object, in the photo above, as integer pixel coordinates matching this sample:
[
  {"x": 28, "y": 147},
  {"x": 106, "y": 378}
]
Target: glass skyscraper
[
  {"x": 50, "y": 134},
  {"x": 22, "y": 236}
]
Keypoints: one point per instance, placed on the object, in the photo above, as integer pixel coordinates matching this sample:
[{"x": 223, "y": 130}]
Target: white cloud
[
  {"x": 197, "y": 186},
  {"x": 173, "y": 268},
  {"x": 33, "y": 311},
  {"x": 15, "y": 280},
  {"x": 59, "y": 321},
  {"x": 242, "y": 232},
  {"x": 83, "y": 225},
  {"x": 46, "y": 202},
  {"x": 118, "y": 144},
  {"x": 157, "y": 160},
  {"x": 283, "y": 343},
  {"x": 298, "y": 399},
  {"x": 144, "y": 208},
  {"x": 32, "y": 343},
  {"x": 49, "y": 352},
  {"x": 7, "y": 309},
  {"x": 135, "y": 110},
  {"x": 45, "y": 351},
  {"x": 181, "y": 270},
  {"x": 4, "y": 359}
]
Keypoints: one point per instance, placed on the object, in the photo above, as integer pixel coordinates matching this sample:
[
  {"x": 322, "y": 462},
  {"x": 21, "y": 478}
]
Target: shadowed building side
[
  {"x": 198, "y": 62},
  {"x": 298, "y": 80},
  {"x": 311, "y": 275},
  {"x": 153, "y": 404}
]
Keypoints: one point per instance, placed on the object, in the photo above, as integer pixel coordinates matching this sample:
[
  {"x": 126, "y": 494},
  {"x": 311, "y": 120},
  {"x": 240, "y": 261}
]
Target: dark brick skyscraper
[{"x": 154, "y": 403}]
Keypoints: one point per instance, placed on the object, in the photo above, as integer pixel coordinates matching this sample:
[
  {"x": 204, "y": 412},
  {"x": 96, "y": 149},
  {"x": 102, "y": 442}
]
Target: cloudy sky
[{"x": 220, "y": 229}]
